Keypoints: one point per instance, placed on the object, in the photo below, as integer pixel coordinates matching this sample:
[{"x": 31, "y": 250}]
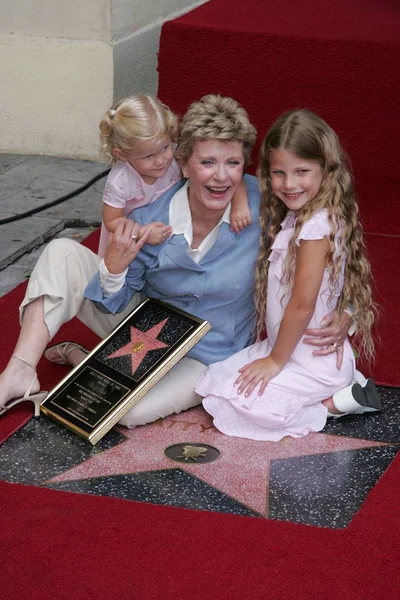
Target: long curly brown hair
[{"x": 307, "y": 136}]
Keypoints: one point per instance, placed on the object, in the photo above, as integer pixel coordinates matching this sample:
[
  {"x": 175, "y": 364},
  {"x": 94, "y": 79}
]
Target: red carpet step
[{"x": 339, "y": 58}]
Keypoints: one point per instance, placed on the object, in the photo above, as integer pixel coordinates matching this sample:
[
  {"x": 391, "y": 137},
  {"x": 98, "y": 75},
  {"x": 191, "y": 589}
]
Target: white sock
[
  {"x": 343, "y": 399},
  {"x": 359, "y": 378}
]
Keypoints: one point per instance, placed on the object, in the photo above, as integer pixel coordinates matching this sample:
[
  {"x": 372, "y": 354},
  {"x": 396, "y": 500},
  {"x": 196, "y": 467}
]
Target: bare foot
[
  {"x": 76, "y": 356},
  {"x": 15, "y": 380},
  {"x": 73, "y": 355}
]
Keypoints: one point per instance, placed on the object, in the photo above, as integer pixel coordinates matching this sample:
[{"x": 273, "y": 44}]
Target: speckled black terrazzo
[
  {"x": 378, "y": 427},
  {"x": 172, "y": 487},
  {"x": 325, "y": 489},
  {"x": 42, "y": 450}
]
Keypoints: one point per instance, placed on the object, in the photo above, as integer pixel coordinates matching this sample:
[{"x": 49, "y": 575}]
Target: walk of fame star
[
  {"x": 140, "y": 344},
  {"x": 242, "y": 471}
]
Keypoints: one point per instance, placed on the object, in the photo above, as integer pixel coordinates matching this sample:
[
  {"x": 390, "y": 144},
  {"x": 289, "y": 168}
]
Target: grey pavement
[{"x": 28, "y": 182}]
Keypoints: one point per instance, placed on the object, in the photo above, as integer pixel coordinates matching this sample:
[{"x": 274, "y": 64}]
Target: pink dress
[
  {"x": 291, "y": 403},
  {"x": 126, "y": 189}
]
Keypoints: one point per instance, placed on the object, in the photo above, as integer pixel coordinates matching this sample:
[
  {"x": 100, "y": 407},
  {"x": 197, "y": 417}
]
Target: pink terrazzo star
[
  {"x": 140, "y": 344},
  {"x": 241, "y": 472}
]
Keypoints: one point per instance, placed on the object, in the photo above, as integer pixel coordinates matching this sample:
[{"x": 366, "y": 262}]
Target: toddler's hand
[
  {"x": 159, "y": 233},
  {"x": 240, "y": 218},
  {"x": 259, "y": 371}
]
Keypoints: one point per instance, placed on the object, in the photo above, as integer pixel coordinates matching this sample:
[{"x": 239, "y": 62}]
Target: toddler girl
[
  {"x": 311, "y": 261},
  {"x": 138, "y": 135}
]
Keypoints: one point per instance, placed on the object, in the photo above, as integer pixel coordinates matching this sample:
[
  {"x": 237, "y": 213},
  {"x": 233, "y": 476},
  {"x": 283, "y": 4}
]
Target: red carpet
[
  {"x": 384, "y": 252},
  {"x": 14, "y": 420},
  {"x": 63, "y": 545}
]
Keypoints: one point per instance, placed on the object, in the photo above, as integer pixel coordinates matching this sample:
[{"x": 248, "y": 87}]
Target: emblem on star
[{"x": 193, "y": 452}]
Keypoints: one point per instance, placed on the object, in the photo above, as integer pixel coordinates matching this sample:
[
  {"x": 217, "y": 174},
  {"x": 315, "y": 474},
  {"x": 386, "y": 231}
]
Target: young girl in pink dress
[
  {"x": 138, "y": 135},
  {"x": 311, "y": 261}
]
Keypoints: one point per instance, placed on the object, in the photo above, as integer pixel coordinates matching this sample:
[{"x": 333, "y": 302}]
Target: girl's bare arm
[
  {"x": 240, "y": 211},
  {"x": 158, "y": 231},
  {"x": 310, "y": 263},
  {"x": 112, "y": 216}
]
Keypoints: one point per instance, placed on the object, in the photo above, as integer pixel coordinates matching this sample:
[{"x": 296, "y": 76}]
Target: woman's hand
[
  {"x": 258, "y": 371},
  {"x": 330, "y": 336},
  {"x": 159, "y": 233},
  {"x": 124, "y": 246}
]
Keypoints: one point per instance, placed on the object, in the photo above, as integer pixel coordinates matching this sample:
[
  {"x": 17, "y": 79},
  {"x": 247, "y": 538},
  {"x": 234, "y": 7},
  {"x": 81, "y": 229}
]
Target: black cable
[{"x": 55, "y": 202}]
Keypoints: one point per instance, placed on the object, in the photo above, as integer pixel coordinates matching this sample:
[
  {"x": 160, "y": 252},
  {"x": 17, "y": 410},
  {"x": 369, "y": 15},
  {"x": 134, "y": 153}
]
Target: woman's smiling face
[{"x": 214, "y": 170}]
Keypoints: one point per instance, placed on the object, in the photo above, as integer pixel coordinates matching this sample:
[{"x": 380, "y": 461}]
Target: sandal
[
  {"x": 37, "y": 398},
  {"x": 63, "y": 350}
]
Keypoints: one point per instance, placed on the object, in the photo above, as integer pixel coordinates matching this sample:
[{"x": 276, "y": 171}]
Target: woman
[{"x": 204, "y": 268}]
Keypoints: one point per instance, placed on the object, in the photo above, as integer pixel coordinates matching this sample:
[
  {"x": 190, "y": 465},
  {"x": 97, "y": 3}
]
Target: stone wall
[{"x": 62, "y": 65}]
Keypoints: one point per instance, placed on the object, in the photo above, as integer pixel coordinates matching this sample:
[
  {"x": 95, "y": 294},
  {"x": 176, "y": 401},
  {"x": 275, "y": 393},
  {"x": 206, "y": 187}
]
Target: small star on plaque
[
  {"x": 140, "y": 344},
  {"x": 192, "y": 453}
]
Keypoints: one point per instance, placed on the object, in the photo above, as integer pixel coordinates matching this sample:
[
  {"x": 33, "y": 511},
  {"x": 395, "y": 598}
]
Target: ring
[
  {"x": 336, "y": 346},
  {"x": 133, "y": 236}
]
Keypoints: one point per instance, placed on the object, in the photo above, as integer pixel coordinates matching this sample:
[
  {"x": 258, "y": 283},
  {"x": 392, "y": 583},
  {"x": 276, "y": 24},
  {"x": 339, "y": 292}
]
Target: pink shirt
[{"x": 126, "y": 189}]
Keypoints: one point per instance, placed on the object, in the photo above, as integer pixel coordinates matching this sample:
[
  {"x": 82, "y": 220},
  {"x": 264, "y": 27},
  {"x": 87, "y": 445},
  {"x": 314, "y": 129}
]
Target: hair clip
[{"x": 112, "y": 113}]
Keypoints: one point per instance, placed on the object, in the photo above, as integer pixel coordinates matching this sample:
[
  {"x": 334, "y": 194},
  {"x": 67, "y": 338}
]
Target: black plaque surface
[
  {"x": 90, "y": 396},
  {"x": 122, "y": 368}
]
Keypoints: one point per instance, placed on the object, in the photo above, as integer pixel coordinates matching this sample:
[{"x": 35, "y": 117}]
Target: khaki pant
[{"x": 61, "y": 275}]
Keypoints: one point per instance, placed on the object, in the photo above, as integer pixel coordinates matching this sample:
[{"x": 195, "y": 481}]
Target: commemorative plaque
[{"x": 122, "y": 368}]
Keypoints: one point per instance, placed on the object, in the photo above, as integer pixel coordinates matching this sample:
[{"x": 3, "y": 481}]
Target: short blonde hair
[
  {"x": 135, "y": 118},
  {"x": 214, "y": 117}
]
